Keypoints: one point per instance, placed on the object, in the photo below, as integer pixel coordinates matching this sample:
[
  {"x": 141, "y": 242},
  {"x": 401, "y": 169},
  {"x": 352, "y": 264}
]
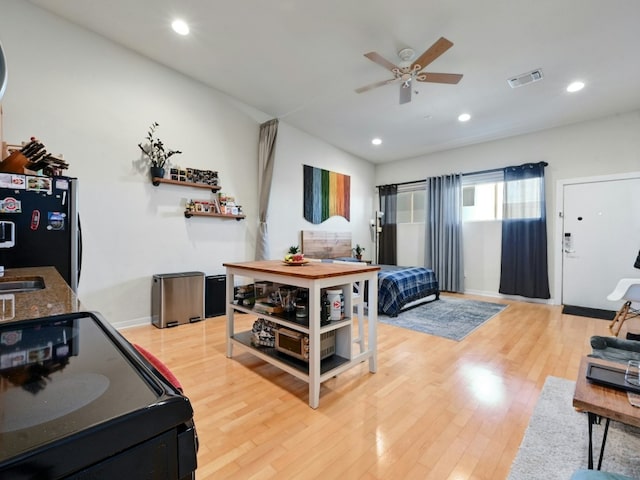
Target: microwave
[{"x": 296, "y": 344}]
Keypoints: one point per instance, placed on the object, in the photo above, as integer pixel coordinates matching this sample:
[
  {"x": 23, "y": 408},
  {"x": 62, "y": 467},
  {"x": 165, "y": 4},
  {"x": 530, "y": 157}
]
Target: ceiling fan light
[
  {"x": 376, "y": 141},
  {"x": 180, "y": 27},
  {"x": 575, "y": 87},
  {"x": 464, "y": 117}
]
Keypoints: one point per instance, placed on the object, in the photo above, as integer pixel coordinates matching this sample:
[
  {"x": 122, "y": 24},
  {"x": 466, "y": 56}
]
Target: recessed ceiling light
[
  {"x": 575, "y": 87},
  {"x": 180, "y": 27},
  {"x": 376, "y": 141},
  {"x": 464, "y": 117}
]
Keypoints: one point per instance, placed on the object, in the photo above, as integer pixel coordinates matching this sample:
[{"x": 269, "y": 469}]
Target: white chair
[{"x": 628, "y": 289}]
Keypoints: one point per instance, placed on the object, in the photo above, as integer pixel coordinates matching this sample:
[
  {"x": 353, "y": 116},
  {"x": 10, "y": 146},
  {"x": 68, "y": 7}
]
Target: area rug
[
  {"x": 556, "y": 441},
  {"x": 588, "y": 312},
  {"x": 451, "y": 318}
]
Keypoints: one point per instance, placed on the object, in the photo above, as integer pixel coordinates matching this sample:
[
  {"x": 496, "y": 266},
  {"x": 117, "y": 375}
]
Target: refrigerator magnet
[
  {"x": 62, "y": 184},
  {"x": 11, "y": 180},
  {"x": 56, "y": 221},
  {"x": 35, "y": 219},
  {"x": 10, "y": 205},
  {"x": 39, "y": 184}
]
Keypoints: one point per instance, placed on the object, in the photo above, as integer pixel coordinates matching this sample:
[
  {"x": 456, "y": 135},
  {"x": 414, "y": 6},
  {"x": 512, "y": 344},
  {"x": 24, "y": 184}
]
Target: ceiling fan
[{"x": 405, "y": 75}]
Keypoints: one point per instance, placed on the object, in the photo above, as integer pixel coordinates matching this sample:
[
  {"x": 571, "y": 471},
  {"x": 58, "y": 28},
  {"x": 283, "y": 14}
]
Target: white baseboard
[
  {"x": 518, "y": 298},
  {"x": 135, "y": 322}
]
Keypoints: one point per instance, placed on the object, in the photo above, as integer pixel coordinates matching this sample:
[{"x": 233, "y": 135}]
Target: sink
[{"x": 21, "y": 284}]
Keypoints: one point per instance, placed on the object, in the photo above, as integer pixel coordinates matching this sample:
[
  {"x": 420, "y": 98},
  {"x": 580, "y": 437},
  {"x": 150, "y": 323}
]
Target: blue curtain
[
  {"x": 524, "y": 269},
  {"x": 443, "y": 231},
  {"x": 387, "y": 246}
]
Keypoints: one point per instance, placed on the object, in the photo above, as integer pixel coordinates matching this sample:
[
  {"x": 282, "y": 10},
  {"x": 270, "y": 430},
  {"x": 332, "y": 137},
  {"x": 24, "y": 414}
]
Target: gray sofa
[{"x": 615, "y": 349}]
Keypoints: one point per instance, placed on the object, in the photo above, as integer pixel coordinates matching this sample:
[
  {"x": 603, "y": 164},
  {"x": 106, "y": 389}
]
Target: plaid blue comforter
[{"x": 397, "y": 287}]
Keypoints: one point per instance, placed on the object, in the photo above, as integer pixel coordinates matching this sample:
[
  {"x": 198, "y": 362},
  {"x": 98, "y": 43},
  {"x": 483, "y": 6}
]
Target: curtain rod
[
  {"x": 404, "y": 183},
  {"x": 479, "y": 172}
]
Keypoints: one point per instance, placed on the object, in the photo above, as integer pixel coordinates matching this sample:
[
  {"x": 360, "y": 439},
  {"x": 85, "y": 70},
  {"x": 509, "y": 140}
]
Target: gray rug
[
  {"x": 451, "y": 318},
  {"x": 556, "y": 440}
]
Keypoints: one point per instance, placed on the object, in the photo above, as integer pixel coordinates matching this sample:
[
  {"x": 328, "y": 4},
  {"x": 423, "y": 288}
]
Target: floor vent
[{"x": 526, "y": 78}]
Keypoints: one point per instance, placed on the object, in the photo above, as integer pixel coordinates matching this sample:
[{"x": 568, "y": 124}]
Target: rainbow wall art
[{"x": 325, "y": 194}]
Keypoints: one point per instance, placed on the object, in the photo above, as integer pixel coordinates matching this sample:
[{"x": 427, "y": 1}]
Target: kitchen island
[{"x": 315, "y": 277}]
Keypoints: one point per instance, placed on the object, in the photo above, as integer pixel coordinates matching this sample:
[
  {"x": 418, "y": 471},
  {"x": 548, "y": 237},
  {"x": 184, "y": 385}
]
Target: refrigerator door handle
[{"x": 79, "y": 249}]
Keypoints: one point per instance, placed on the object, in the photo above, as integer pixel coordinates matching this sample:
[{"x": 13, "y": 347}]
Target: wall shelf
[
  {"x": 189, "y": 214},
  {"x": 157, "y": 181}
]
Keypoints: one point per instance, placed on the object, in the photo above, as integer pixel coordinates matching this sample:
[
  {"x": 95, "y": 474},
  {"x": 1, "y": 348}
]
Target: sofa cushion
[
  {"x": 597, "y": 475},
  {"x": 615, "y": 349}
]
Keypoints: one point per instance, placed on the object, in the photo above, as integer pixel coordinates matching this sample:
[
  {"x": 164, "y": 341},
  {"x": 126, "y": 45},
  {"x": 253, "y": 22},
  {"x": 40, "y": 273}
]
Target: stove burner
[{"x": 23, "y": 409}]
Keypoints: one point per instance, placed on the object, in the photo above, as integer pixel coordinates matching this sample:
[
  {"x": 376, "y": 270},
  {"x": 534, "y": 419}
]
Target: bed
[{"x": 399, "y": 288}]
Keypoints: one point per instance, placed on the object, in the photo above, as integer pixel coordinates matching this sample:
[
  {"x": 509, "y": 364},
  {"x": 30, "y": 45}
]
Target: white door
[{"x": 601, "y": 233}]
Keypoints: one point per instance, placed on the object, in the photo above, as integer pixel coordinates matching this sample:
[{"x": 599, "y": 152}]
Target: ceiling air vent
[{"x": 525, "y": 78}]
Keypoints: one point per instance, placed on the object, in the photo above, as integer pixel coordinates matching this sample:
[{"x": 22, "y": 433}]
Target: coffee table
[{"x": 600, "y": 401}]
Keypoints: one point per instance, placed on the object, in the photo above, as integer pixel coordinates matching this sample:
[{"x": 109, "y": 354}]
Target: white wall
[
  {"x": 601, "y": 147},
  {"x": 295, "y": 149},
  {"x": 93, "y": 101}
]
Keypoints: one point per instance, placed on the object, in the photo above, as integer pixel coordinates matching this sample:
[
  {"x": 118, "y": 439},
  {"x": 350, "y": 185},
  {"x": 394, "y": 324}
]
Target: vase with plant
[
  {"x": 357, "y": 251},
  {"x": 156, "y": 152}
]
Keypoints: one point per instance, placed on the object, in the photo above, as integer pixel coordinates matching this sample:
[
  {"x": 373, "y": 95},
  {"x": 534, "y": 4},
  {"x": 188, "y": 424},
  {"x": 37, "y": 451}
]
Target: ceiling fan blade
[
  {"x": 380, "y": 60},
  {"x": 434, "y": 51},
  {"x": 451, "y": 78},
  {"x": 376, "y": 85},
  {"x": 405, "y": 92}
]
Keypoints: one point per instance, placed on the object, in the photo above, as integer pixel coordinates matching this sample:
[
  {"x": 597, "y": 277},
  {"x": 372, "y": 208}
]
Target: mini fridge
[{"x": 177, "y": 298}]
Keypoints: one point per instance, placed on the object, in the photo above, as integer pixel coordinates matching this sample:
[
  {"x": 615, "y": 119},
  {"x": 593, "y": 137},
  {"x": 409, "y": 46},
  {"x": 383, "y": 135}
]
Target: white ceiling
[{"x": 301, "y": 60}]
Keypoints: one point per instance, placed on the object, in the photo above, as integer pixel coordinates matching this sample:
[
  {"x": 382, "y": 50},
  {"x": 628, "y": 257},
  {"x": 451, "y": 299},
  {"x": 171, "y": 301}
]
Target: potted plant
[
  {"x": 357, "y": 251},
  {"x": 156, "y": 153},
  {"x": 294, "y": 249}
]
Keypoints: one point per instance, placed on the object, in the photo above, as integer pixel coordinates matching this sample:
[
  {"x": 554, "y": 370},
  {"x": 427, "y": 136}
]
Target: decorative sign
[{"x": 325, "y": 194}]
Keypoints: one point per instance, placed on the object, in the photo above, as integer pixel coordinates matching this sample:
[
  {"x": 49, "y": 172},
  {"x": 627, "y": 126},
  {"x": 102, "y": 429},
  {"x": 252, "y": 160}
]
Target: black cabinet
[{"x": 215, "y": 287}]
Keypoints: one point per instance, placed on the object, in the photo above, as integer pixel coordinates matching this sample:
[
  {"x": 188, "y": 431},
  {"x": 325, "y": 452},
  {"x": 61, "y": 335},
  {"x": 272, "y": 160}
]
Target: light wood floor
[{"x": 436, "y": 408}]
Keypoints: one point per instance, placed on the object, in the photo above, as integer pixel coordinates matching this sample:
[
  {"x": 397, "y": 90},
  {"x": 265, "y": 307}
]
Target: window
[
  {"x": 411, "y": 206},
  {"x": 483, "y": 194},
  {"x": 482, "y": 202},
  {"x": 523, "y": 198}
]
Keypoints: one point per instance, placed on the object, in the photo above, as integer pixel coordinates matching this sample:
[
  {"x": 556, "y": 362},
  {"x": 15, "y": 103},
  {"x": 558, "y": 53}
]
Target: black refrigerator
[{"x": 39, "y": 224}]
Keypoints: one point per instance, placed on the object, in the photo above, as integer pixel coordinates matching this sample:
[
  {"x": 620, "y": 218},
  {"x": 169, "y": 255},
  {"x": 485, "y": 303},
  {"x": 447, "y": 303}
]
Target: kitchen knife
[
  {"x": 37, "y": 156},
  {"x": 29, "y": 148},
  {"x": 34, "y": 150}
]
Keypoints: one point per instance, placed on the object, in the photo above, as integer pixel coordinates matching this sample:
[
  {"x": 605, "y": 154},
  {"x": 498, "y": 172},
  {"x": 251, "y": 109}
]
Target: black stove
[{"x": 77, "y": 402}]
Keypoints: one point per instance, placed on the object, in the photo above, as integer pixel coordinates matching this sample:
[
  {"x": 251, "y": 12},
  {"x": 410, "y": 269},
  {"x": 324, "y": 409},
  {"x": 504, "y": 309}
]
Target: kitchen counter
[{"x": 55, "y": 299}]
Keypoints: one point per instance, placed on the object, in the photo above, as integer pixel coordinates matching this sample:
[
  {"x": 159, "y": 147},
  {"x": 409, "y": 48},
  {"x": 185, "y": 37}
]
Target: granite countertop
[{"x": 56, "y": 298}]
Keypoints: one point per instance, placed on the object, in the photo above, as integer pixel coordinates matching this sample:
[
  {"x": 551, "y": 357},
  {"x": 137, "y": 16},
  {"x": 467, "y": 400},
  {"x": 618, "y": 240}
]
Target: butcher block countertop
[
  {"x": 55, "y": 298},
  {"x": 310, "y": 270}
]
